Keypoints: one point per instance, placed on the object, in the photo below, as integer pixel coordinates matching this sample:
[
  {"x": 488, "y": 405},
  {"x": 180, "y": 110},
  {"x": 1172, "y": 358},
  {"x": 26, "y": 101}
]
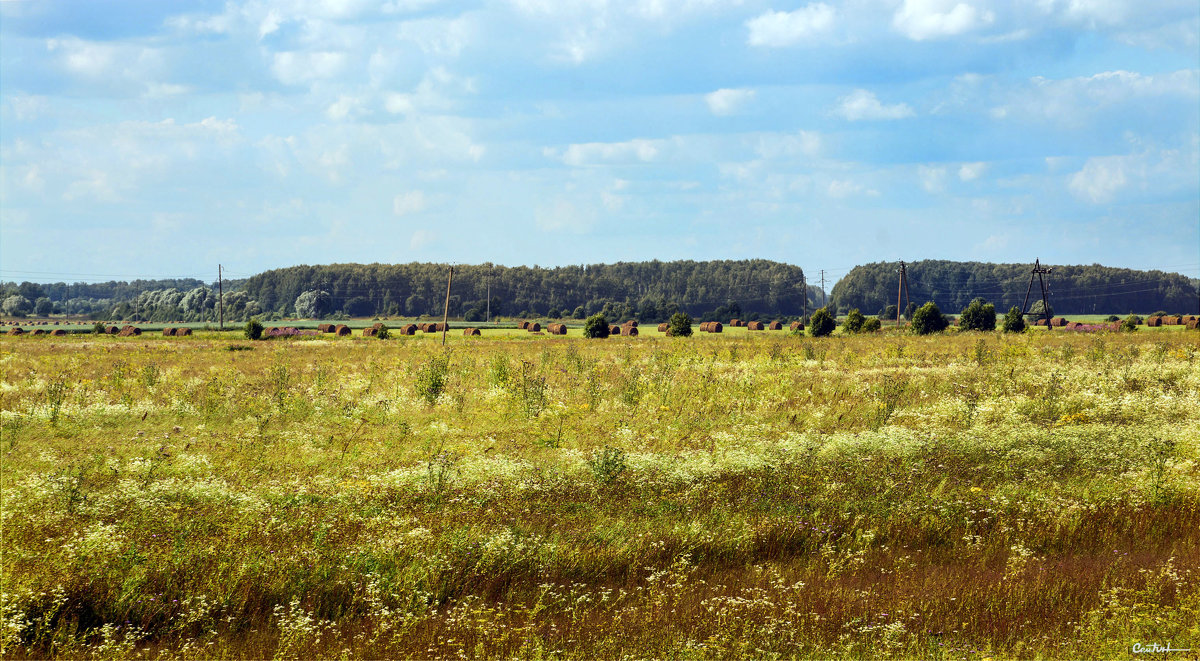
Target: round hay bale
[
  {"x": 533, "y": 327},
  {"x": 326, "y": 328},
  {"x": 557, "y": 329},
  {"x": 407, "y": 329},
  {"x": 16, "y": 330},
  {"x": 524, "y": 325},
  {"x": 112, "y": 330},
  {"x": 715, "y": 327},
  {"x": 169, "y": 332},
  {"x": 796, "y": 325},
  {"x": 629, "y": 331},
  {"x": 58, "y": 332},
  {"x": 1176, "y": 320},
  {"x": 471, "y": 332},
  {"x": 1154, "y": 321},
  {"x": 614, "y": 330},
  {"x": 755, "y": 325},
  {"x": 1193, "y": 323},
  {"x": 662, "y": 328},
  {"x": 370, "y": 331},
  {"x": 129, "y": 331},
  {"x": 631, "y": 322},
  {"x": 38, "y": 331},
  {"x": 181, "y": 332},
  {"x": 342, "y": 330},
  {"x": 775, "y": 325}
]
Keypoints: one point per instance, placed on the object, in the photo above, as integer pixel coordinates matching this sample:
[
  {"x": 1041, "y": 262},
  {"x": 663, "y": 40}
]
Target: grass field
[{"x": 743, "y": 495}]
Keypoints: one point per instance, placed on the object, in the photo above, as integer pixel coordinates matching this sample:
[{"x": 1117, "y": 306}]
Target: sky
[{"x": 152, "y": 139}]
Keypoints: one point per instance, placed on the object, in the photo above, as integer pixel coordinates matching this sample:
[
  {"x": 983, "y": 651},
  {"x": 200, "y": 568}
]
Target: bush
[
  {"x": 854, "y": 321},
  {"x": 431, "y": 379},
  {"x": 1137, "y": 319},
  {"x": 1111, "y": 318},
  {"x": 821, "y": 324},
  {"x": 979, "y": 315},
  {"x": 579, "y": 312},
  {"x": 607, "y": 464},
  {"x": 1130, "y": 324},
  {"x": 254, "y": 329},
  {"x": 871, "y": 325},
  {"x": 99, "y": 329},
  {"x": 888, "y": 312},
  {"x": 382, "y": 333},
  {"x": 596, "y": 327},
  {"x": 1013, "y": 321},
  {"x": 929, "y": 319},
  {"x": 680, "y": 325}
]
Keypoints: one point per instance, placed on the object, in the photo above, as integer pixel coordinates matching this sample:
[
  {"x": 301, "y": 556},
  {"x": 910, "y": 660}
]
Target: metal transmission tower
[
  {"x": 1040, "y": 272},
  {"x": 824, "y": 303},
  {"x": 804, "y": 294},
  {"x": 902, "y": 292}
]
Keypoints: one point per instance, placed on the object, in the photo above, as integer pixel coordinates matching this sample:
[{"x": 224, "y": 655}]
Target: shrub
[
  {"x": 382, "y": 333},
  {"x": 889, "y": 312},
  {"x": 1160, "y": 313},
  {"x": 821, "y": 324},
  {"x": 871, "y": 325},
  {"x": 854, "y": 321},
  {"x": 1111, "y": 318},
  {"x": 1130, "y": 324},
  {"x": 431, "y": 379},
  {"x": 680, "y": 325},
  {"x": 1013, "y": 321},
  {"x": 979, "y": 315},
  {"x": 929, "y": 319},
  {"x": 596, "y": 326},
  {"x": 1137, "y": 319},
  {"x": 254, "y": 329},
  {"x": 607, "y": 464},
  {"x": 99, "y": 329}
]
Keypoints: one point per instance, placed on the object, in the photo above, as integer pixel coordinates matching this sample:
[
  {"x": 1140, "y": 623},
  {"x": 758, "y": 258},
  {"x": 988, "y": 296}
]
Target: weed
[{"x": 607, "y": 464}]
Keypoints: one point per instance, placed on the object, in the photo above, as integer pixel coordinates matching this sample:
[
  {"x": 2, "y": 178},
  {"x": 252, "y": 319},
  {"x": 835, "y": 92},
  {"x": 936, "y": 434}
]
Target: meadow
[{"x": 742, "y": 495}]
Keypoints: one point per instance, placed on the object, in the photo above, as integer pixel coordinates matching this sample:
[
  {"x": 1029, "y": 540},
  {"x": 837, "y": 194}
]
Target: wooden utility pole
[
  {"x": 446, "y": 310},
  {"x": 1039, "y": 272},
  {"x": 489, "y": 299},
  {"x": 902, "y": 291},
  {"x": 804, "y": 304},
  {"x": 221, "y": 297}
]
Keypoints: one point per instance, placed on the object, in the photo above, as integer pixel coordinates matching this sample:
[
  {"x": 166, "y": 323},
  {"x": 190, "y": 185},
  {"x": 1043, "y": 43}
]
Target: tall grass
[{"x": 887, "y": 496}]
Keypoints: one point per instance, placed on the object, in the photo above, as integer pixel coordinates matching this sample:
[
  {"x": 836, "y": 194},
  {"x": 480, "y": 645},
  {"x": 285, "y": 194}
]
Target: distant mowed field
[{"x": 736, "y": 495}]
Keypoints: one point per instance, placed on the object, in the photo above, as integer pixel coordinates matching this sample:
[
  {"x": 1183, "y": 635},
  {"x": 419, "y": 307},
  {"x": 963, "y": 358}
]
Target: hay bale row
[
  {"x": 556, "y": 329},
  {"x": 1174, "y": 320},
  {"x": 711, "y": 327},
  {"x": 796, "y": 325},
  {"x": 471, "y": 332},
  {"x": 171, "y": 331},
  {"x": 755, "y": 325}
]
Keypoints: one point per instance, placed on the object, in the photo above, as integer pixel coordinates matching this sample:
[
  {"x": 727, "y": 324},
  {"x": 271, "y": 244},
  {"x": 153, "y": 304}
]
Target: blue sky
[{"x": 156, "y": 139}]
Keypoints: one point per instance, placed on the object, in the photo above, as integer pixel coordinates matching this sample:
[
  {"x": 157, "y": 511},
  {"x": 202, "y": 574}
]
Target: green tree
[
  {"x": 889, "y": 312},
  {"x": 978, "y": 316},
  {"x": 596, "y": 326},
  {"x": 854, "y": 321},
  {"x": 359, "y": 306},
  {"x": 313, "y": 304},
  {"x": 1130, "y": 324},
  {"x": 1035, "y": 310},
  {"x": 929, "y": 319},
  {"x": 680, "y": 325},
  {"x": 43, "y": 307},
  {"x": 382, "y": 333},
  {"x": 1013, "y": 321},
  {"x": 253, "y": 330},
  {"x": 871, "y": 325},
  {"x": 821, "y": 324}
]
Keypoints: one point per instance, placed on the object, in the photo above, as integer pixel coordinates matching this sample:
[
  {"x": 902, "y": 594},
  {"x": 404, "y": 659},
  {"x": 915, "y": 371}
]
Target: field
[{"x": 743, "y": 495}]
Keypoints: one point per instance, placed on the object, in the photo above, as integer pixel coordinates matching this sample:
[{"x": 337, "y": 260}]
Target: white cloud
[
  {"x": 565, "y": 216},
  {"x": 421, "y": 238},
  {"x": 863, "y": 105},
  {"x": 933, "y": 179},
  {"x": 933, "y": 19},
  {"x": 843, "y": 188},
  {"x": 592, "y": 153},
  {"x": 788, "y": 145},
  {"x": 298, "y": 67},
  {"x": 1099, "y": 180},
  {"x": 775, "y": 29},
  {"x": 1073, "y": 101},
  {"x": 409, "y": 203},
  {"x": 724, "y": 102},
  {"x": 345, "y": 106},
  {"x": 971, "y": 171}
]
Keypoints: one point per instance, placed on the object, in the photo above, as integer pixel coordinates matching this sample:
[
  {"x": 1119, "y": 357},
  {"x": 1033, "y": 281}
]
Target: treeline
[
  {"x": 648, "y": 291},
  {"x": 172, "y": 299},
  {"x": 1091, "y": 289}
]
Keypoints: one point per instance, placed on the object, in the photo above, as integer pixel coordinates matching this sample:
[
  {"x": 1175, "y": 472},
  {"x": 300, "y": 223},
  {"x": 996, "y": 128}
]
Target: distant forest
[
  {"x": 1073, "y": 289},
  {"x": 648, "y": 291}
]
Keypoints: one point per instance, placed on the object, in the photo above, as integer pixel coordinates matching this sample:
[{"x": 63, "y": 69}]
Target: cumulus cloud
[
  {"x": 1099, "y": 180},
  {"x": 971, "y": 171},
  {"x": 408, "y": 203},
  {"x": 933, "y": 179},
  {"x": 775, "y": 29},
  {"x": 724, "y": 102},
  {"x": 933, "y": 19},
  {"x": 1073, "y": 100},
  {"x": 863, "y": 105},
  {"x": 843, "y": 188},
  {"x": 421, "y": 238},
  {"x": 592, "y": 153},
  {"x": 299, "y": 67}
]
